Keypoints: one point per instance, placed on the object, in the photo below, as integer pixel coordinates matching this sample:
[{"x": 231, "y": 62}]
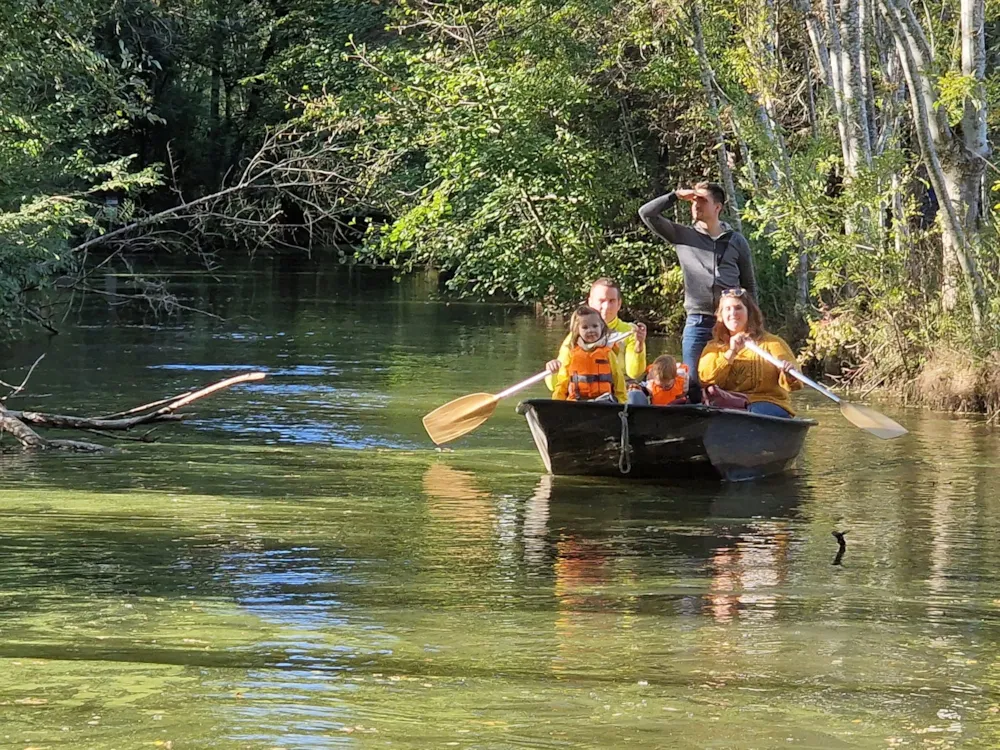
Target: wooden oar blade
[
  {"x": 459, "y": 417},
  {"x": 871, "y": 421}
]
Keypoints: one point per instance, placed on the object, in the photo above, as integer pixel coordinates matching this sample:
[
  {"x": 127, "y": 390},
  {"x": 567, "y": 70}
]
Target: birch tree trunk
[
  {"x": 707, "y": 80},
  {"x": 836, "y": 37},
  {"x": 855, "y": 90},
  {"x": 818, "y": 40},
  {"x": 974, "y": 135},
  {"x": 954, "y": 163},
  {"x": 866, "y": 15},
  {"x": 833, "y": 40},
  {"x": 762, "y": 47}
]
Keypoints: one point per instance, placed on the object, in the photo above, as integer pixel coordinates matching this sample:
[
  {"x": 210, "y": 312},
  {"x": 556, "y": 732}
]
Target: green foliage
[
  {"x": 60, "y": 98},
  {"x": 506, "y": 143},
  {"x": 954, "y": 90},
  {"x": 498, "y": 149}
]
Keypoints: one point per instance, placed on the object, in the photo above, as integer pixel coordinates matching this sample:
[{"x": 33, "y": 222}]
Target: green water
[{"x": 296, "y": 567}]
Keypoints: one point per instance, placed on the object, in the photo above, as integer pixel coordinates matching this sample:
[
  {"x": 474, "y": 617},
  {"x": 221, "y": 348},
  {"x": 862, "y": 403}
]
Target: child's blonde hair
[
  {"x": 584, "y": 311},
  {"x": 663, "y": 369}
]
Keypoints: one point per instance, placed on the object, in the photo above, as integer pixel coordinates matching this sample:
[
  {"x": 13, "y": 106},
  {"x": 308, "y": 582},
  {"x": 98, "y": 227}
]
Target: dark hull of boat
[{"x": 672, "y": 442}]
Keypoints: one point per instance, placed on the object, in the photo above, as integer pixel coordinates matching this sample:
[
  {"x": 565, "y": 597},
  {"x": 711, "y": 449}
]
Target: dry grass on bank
[{"x": 952, "y": 381}]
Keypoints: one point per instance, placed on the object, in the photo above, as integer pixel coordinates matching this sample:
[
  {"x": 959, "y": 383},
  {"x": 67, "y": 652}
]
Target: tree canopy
[{"x": 508, "y": 144}]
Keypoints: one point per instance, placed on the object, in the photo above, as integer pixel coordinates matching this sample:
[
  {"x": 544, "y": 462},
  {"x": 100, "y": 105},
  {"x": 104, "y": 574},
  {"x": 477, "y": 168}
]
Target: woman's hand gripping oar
[
  {"x": 463, "y": 415},
  {"x": 864, "y": 417}
]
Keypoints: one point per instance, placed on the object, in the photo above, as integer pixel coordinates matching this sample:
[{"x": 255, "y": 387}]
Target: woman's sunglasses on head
[{"x": 736, "y": 291}]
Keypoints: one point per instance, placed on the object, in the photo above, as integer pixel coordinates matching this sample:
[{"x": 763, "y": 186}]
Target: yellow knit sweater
[{"x": 749, "y": 374}]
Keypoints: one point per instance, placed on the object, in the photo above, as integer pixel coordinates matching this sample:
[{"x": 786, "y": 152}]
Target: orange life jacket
[
  {"x": 590, "y": 373},
  {"x": 659, "y": 396}
]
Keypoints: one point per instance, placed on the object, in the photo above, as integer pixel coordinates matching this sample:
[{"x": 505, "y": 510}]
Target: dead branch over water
[{"x": 21, "y": 424}]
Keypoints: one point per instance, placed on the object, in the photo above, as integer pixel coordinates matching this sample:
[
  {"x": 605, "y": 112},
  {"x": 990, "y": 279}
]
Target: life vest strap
[{"x": 603, "y": 378}]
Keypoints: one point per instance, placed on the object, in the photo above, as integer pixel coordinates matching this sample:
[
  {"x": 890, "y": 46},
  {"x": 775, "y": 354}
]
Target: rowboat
[{"x": 661, "y": 442}]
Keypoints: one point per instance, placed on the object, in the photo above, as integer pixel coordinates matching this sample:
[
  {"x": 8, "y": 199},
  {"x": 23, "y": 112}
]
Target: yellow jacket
[
  {"x": 749, "y": 374},
  {"x": 630, "y": 362},
  {"x": 560, "y": 390}
]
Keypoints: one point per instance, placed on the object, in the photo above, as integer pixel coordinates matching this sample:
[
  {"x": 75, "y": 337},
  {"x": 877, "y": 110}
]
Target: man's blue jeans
[{"x": 697, "y": 333}]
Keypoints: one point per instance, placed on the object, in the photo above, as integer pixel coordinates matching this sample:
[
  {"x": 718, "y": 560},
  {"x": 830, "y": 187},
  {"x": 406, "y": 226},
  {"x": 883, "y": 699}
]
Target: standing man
[
  {"x": 606, "y": 298},
  {"x": 713, "y": 257}
]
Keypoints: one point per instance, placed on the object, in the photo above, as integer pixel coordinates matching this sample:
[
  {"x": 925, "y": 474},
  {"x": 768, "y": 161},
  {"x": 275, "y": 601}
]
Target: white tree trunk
[
  {"x": 855, "y": 91},
  {"x": 818, "y": 40},
  {"x": 867, "y": 23},
  {"x": 762, "y": 47},
  {"x": 973, "y": 14},
  {"x": 834, "y": 44},
  {"x": 707, "y": 80},
  {"x": 953, "y": 170}
]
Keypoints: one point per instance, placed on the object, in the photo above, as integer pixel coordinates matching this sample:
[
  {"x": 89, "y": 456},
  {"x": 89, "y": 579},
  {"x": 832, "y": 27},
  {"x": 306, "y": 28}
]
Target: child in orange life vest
[
  {"x": 666, "y": 382},
  {"x": 593, "y": 371}
]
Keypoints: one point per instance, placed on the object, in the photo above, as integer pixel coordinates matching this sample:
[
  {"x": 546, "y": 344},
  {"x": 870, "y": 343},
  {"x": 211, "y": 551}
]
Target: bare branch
[{"x": 24, "y": 382}]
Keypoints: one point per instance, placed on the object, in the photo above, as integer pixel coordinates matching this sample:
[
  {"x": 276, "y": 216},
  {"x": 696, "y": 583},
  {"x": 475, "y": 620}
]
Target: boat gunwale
[{"x": 702, "y": 409}]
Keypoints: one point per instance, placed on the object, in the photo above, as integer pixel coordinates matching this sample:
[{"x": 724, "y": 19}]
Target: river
[{"x": 297, "y": 567}]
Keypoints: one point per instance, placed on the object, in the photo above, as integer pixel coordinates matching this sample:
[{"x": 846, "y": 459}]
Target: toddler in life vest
[
  {"x": 666, "y": 382},
  {"x": 592, "y": 372}
]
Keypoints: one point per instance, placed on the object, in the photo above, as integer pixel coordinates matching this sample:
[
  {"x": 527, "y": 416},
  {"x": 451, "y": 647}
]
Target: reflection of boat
[
  {"x": 721, "y": 550},
  {"x": 661, "y": 442}
]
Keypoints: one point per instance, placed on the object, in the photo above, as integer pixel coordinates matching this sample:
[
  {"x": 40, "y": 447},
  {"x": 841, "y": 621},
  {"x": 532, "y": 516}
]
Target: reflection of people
[
  {"x": 606, "y": 297},
  {"x": 536, "y": 522},
  {"x": 592, "y": 371},
  {"x": 582, "y": 569},
  {"x": 728, "y": 364},
  {"x": 712, "y": 257},
  {"x": 746, "y": 572}
]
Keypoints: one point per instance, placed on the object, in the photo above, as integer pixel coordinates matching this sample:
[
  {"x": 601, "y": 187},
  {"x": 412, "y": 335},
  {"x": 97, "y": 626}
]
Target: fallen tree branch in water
[
  {"x": 143, "y": 438},
  {"x": 19, "y": 424}
]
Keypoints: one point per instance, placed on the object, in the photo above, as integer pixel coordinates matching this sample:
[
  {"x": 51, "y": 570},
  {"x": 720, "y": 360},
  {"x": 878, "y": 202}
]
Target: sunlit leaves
[
  {"x": 954, "y": 91},
  {"x": 507, "y": 165}
]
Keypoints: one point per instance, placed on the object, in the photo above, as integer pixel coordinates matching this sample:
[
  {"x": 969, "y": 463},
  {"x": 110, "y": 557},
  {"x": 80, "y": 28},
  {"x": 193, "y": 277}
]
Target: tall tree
[
  {"x": 708, "y": 83},
  {"x": 955, "y": 161}
]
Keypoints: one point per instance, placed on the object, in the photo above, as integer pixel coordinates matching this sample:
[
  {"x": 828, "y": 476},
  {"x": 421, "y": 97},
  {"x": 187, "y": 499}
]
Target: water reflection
[
  {"x": 592, "y": 535},
  {"x": 455, "y": 499},
  {"x": 747, "y": 572},
  {"x": 536, "y": 521},
  {"x": 300, "y": 595}
]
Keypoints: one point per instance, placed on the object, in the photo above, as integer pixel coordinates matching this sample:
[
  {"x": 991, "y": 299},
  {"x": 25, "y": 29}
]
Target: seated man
[{"x": 606, "y": 298}]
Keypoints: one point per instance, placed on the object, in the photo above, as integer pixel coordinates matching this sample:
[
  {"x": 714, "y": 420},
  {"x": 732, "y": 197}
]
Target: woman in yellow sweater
[{"x": 728, "y": 364}]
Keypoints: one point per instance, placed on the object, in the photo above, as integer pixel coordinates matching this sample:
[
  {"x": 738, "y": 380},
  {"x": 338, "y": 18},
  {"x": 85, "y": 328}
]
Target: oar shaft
[
  {"x": 767, "y": 356},
  {"x": 522, "y": 385}
]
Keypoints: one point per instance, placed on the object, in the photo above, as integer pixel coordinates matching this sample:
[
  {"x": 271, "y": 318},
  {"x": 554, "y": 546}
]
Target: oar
[
  {"x": 463, "y": 415},
  {"x": 864, "y": 417}
]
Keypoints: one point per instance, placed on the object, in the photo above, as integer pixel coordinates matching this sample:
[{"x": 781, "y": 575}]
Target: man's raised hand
[{"x": 640, "y": 336}]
